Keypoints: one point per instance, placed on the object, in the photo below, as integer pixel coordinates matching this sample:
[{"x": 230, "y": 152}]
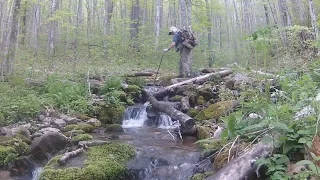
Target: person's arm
[{"x": 171, "y": 45}]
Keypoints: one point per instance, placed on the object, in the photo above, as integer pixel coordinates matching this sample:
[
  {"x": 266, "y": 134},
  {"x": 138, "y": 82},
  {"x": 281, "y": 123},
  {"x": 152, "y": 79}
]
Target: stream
[{"x": 160, "y": 154}]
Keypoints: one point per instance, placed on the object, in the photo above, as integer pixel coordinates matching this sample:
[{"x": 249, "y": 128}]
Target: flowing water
[{"x": 161, "y": 155}]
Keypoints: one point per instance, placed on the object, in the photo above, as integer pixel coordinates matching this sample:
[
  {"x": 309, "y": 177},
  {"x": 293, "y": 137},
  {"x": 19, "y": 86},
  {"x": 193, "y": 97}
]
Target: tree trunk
[
  {"x": 63, "y": 160},
  {"x": 266, "y": 13},
  {"x": 198, "y": 80},
  {"x": 285, "y": 15},
  {"x": 314, "y": 20},
  {"x": 135, "y": 23},
  {"x": 7, "y": 65},
  {"x": 210, "y": 57},
  {"x": 34, "y": 41},
  {"x": 186, "y": 121},
  {"x": 52, "y": 29},
  {"x": 24, "y": 22},
  {"x": 157, "y": 21},
  {"x": 243, "y": 167}
]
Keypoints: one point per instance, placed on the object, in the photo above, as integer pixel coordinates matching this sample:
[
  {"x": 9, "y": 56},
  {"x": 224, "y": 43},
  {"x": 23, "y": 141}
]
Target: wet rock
[
  {"x": 49, "y": 130},
  {"x": 47, "y": 144},
  {"x": 41, "y": 118},
  {"x": 69, "y": 120},
  {"x": 59, "y": 123},
  {"x": 114, "y": 128},
  {"x": 22, "y": 166},
  {"x": 5, "y": 175},
  {"x": 112, "y": 114},
  {"x": 94, "y": 122}
]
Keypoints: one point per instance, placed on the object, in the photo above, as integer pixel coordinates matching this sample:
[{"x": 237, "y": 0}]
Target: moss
[
  {"x": 103, "y": 162},
  {"x": 206, "y": 92},
  {"x": 198, "y": 177},
  {"x": 73, "y": 132},
  {"x": 7, "y": 155},
  {"x": 130, "y": 102},
  {"x": 112, "y": 114},
  {"x": 165, "y": 80},
  {"x": 83, "y": 116},
  {"x": 216, "y": 110},
  {"x": 19, "y": 146},
  {"x": 81, "y": 137},
  {"x": 138, "y": 81},
  {"x": 176, "y": 98},
  {"x": 203, "y": 132},
  {"x": 133, "y": 90},
  {"x": 209, "y": 144},
  {"x": 201, "y": 100},
  {"x": 120, "y": 94},
  {"x": 85, "y": 127},
  {"x": 192, "y": 112},
  {"x": 114, "y": 128},
  {"x": 53, "y": 163}
]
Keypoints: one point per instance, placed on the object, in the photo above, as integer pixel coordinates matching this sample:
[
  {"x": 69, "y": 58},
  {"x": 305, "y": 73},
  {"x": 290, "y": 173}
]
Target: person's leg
[
  {"x": 185, "y": 52},
  {"x": 181, "y": 71}
]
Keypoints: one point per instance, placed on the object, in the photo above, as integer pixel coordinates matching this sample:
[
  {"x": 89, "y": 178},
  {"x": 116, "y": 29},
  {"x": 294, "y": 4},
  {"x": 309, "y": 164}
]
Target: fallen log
[
  {"x": 198, "y": 80},
  {"x": 186, "y": 121},
  {"x": 68, "y": 155},
  {"x": 137, "y": 74},
  {"x": 185, "y": 105},
  {"x": 244, "y": 166}
]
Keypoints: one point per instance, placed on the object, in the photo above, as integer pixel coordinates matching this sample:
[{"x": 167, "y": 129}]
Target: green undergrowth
[
  {"x": 102, "y": 162},
  {"x": 291, "y": 137}
]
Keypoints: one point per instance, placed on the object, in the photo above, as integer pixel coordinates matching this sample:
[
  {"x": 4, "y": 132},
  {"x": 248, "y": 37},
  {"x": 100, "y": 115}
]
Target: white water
[
  {"x": 36, "y": 173},
  {"x": 136, "y": 116}
]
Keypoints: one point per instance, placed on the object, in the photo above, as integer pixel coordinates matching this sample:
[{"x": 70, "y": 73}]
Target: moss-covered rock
[
  {"x": 211, "y": 144},
  {"x": 130, "y": 102},
  {"x": 133, "y": 90},
  {"x": 176, "y": 98},
  {"x": 114, "y": 128},
  {"x": 193, "y": 112},
  {"x": 81, "y": 137},
  {"x": 216, "y": 110},
  {"x": 112, "y": 114},
  {"x": 84, "y": 127},
  {"x": 83, "y": 117},
  {"x": 206, "y": 92},
  {"x": 120, "y": 94},
  {"x": 202, "y": 176},
  {"x": 73, "y": 132},
  {"x": 20, "y": 147},
  {"x": 203, "y": 132},
  {"x": 103, "y": 162},
  {"x": 7, "y": 155},
  {"x": 201, "y": 100}
]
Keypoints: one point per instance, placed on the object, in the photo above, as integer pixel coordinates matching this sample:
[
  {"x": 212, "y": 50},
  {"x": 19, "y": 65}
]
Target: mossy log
[
  {"x": 198, "y": 80},
  {"x": 244, "y": 166},
  {"x": 186, "y": 121},
  {"x": 138, "y": 74},
  {"x": 68, "y": 155},
  {"x": 184, "y": 104}
]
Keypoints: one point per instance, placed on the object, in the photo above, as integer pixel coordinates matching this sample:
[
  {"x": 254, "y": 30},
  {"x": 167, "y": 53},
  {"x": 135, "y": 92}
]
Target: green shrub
[
  {"x": 113, "y": 83},
  {"x": 7, "y": 154}
]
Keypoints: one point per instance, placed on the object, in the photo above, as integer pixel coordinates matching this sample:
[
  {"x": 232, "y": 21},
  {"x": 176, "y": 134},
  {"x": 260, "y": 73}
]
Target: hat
[{"x": 173, "y": 29}]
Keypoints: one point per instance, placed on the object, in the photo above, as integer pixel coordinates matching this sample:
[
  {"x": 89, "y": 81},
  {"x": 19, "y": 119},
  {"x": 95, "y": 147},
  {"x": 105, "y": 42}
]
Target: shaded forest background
[{"x": 122, "y": 35}]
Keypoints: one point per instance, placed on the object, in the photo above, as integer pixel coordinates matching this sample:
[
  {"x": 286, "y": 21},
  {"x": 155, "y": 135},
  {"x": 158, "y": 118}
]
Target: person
[{"x": 184, "y": 69}]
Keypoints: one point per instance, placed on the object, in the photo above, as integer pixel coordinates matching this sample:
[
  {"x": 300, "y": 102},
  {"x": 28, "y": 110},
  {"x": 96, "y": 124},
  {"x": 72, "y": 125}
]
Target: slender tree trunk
[
  {"x": 135, "y": 23},
  {"x": 285, "y": 15},
  {"x": 34, "y": 41},
  {"x": 89, "y": 12},
  {"x": 157, "y": 22},
  {"x": 52, "y": 29},
  {"x": 266, "y": 13},
  {"x": 314, "y": 21},
  {"x": 24, "y": 22},
  {"x": 7, "y": 65},
  {"x": 210, "y": 58},
  {"x": 75, "y": 41}
]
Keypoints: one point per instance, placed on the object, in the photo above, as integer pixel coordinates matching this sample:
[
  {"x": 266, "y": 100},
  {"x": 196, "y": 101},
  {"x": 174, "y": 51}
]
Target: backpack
[{"x": 188, "y": 39}]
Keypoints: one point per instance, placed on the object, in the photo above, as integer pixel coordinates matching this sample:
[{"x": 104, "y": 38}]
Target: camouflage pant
[{"x": 184, "y": 64}]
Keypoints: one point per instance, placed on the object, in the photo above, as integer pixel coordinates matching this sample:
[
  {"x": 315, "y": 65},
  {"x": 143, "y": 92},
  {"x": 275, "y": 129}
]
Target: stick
[{"x": 232, "y": 147}]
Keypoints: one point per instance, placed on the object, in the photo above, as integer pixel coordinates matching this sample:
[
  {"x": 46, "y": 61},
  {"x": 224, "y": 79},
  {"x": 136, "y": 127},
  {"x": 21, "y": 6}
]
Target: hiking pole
[{"x": 154, "y": 81}]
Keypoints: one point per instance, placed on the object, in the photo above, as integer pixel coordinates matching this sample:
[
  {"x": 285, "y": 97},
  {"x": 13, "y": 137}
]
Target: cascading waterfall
[
  {"x": 36, "y": 173},
  {"x": 136, "y": 116}
]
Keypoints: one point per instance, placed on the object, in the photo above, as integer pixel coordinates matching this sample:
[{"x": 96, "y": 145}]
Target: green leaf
[
  {"x": 302, "y": 141},
  {"x": 287, "y": 147},
  {"x": 224, "y": 136},
  {"x": 232, "y": 124},
  {"x": 314, "y": 157},
  {"x": 304, "y": 162}
]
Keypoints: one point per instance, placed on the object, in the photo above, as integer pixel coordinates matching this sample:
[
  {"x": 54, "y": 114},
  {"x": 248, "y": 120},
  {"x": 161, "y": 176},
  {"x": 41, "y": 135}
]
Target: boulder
[
  {"x": 47, "y": 144},
  {"x": 21, "y": 166},
  {"x": 59, "y": 123},
  {"x": 69, "y": 120}
]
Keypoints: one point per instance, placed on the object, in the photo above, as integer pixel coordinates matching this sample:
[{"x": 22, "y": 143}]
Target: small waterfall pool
[{"x": 160, "y": 154}]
